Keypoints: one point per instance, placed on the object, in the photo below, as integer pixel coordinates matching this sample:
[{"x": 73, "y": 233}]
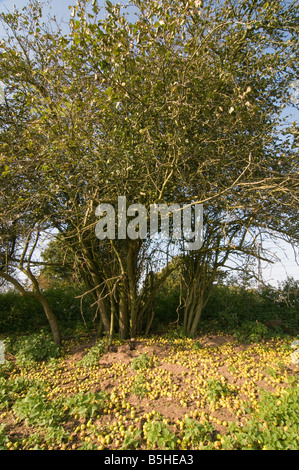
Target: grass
[{"x": 168, "y": 393}]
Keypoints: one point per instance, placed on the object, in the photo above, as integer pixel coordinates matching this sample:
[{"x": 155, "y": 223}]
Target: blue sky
[
  {"x": 60, "y": 7},
  {"x": 272, "y": 274}
]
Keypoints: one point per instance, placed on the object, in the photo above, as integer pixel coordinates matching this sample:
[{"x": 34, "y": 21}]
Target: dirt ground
[
  {"x": 214, "y": 358},
  {"x": 175, "y": 385}
]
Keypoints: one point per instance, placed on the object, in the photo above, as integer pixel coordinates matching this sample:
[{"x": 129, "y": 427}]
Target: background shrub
[
  {"x": 228, "y": 308},
  {"x": 231, "y": 306},
  {"x": 36, "y": 347},
  {"x": 25, "y": 314},
  {"x": 92, "y": 357},
  {"x": 275, "y": 427}
]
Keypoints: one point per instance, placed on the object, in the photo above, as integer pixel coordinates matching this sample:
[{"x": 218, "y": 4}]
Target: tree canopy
[{"x": 161, "y": 102}]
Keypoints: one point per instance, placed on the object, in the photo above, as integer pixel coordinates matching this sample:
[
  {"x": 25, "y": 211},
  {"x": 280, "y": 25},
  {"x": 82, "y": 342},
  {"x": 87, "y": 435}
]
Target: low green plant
[
  {"x": 86, "y": 405},
  {"x": 138, "y": 387},
  {"x": 143, "y": 361},
  {"x": 274, "y": 427},
  {"x": 36, "y": 347},
  {"x": 252, "y": 332},
  {"x": 132, "y": 439},
  {"x": 4, "y": 396},
  {"x": 34, "y": 441},
  {"x": 92, "y": 357},
  {"x": 12, "y": 387},
  {"x": 196, "y": 346},
  {"x": 34, "y": 409},
  {"x": 3, "y": 437},
  {"x": 282, "y": 410},
  {"x": 56, "y": 435},
  {"x": 176, "y": 332},
  {"x": 88, "y": 446},
  {"x": 195, "y": 433},
  {"x": 217, "y": 389},
  {"x": 6, "y": 369},
  {"x": 272, "y": 372},
  {"x": 158, "y": 433}
]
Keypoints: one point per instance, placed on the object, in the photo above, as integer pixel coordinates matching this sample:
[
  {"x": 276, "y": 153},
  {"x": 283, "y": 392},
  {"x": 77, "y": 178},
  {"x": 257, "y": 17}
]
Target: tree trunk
[
  {"x": 133, "y": 322},
  {"x": 103, "y": 313},
  {"x": 97, "y": 281},
  {"x": 123, "y": 316},
  {"x": 132, "y": 281},
  {"x": 112, "y": 316},
  {"x": 100, "y": 329},
  {"x": 196, "y": 318},
  {"x": 195, "y": 303},
  {"x": 191, "y": 304},
  {"x": 50, "y": 316},
  {"x": 150, "y": 320}
]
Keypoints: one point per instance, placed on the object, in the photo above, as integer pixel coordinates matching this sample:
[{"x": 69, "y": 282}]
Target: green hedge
[
  {"x": 25, "y": 314},
  {"x": 228, "y": 307},
  {"x": 231, "y": 306}
]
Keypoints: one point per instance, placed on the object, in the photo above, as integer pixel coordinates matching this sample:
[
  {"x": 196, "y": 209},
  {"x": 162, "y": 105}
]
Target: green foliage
[
  {"x": 35, "y": 410},
  {"x": 3, "y": 437},
  {"x": 92, "y": 357},
  {"x": 12, "y": 387},
  {"x": 176, "y": 332},
  {"x": 19, "y": 314},
  {"x": 138, "y": 386},
  {"x": 167, "y": 300},
  {"x": 36, "y": 347},
  {"x": 6, "y": 369},
  {"x": 196, "y": 346},
  {"x": 156, "y": 432},
  {"x": 112, "y": 105},
  {"x": 228, "y": 308},
  {"x": 281, "y": 410},
  {"x": 217, "y": 389},
  {"x": 68, "y": 308},
  {"x": 88, "y": 446},
  {"x": 59, "y": 267},
  {"x": 56, "y": 435},
  {"x": 252, "y": 332},
  {"x": 86, "y": 405},
  {"x": 143, "y": 361},
  {"x": 35, "y": 441},
  {"x": 195, "y": 432},
  {"x": 132, "y": 439},
  {"x": 275, "y": 427}
]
